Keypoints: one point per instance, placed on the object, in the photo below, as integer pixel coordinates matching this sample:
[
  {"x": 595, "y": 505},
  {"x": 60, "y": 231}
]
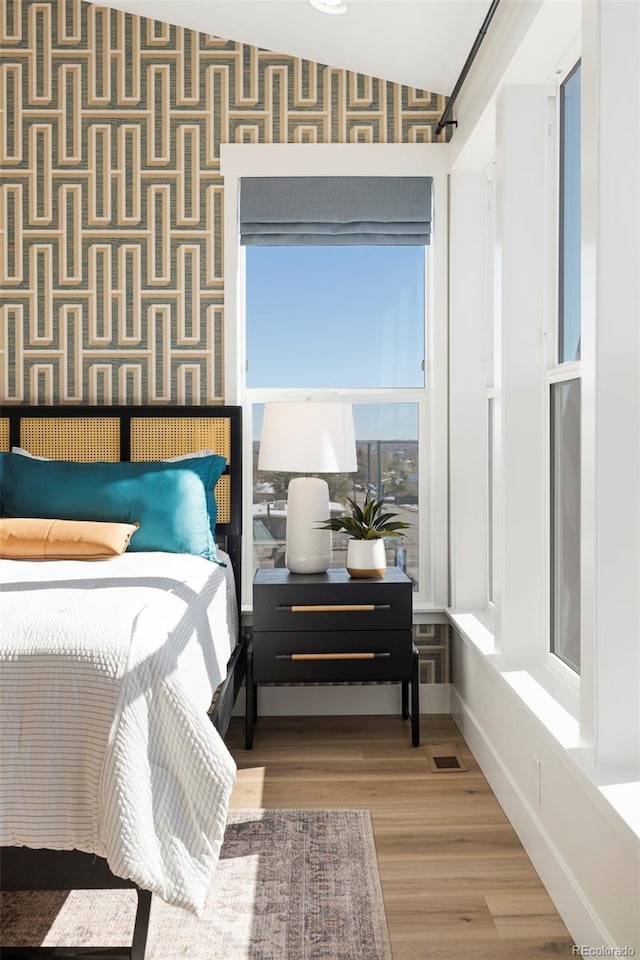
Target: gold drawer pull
[
  {"x": 330, "y": 656},
  {"x": 336, "y": 607}
]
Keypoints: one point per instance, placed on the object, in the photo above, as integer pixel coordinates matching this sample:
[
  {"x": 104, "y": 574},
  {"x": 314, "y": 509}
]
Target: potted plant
[{"x": 367, "y": 527}]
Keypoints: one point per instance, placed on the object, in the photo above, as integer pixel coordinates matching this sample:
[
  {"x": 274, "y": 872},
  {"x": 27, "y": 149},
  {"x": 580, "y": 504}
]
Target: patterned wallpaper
[{"x": 111, "y": 251}]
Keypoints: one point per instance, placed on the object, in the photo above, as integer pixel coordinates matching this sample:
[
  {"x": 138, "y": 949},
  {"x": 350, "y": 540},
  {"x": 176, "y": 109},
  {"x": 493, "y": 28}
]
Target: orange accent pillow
[{"x": 25, "y": 538}]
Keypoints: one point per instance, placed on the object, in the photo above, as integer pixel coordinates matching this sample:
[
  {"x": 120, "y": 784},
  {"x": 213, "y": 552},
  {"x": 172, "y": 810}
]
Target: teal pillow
[{"x": 172, "y": 501}]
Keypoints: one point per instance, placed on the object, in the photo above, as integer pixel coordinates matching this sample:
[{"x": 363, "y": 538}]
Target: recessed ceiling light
[{"x": 329, "y": 6}]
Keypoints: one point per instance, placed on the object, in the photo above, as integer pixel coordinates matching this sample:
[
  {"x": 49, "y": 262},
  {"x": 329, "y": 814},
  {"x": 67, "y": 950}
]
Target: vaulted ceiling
[{"x": 421, "y": 43}]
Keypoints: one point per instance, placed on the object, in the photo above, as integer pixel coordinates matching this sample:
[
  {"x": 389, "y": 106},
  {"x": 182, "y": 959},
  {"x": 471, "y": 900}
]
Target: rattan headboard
[{"x": 138, "y": 433}]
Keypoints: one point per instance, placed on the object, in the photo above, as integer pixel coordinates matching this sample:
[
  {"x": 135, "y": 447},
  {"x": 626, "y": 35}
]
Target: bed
[{"x": 133, "y": 653}]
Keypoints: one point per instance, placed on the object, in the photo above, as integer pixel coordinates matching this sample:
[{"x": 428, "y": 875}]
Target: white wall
[
  {"x": 610, "y": 701},
  {"x": 562, "y": 753},
  {"x": 585, "y": 854},
  {"x": 467, "y": 380},
  {"x": 381, "y": 700}
]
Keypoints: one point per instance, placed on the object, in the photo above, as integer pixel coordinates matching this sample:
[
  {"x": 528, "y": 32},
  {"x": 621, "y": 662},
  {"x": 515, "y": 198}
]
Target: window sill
[
  {"x": 473, "y": 628},
  {"x": 617, "y": 791},
  {"x": 425, "y": 612}
]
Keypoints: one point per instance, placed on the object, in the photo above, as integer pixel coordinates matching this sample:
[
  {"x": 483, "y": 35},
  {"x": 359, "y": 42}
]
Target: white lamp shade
[{"x": 308, "y": 437}]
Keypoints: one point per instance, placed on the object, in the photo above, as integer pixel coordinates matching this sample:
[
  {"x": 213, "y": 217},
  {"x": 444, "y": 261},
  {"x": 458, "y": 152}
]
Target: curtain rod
[{"x": 444, "y": 119}]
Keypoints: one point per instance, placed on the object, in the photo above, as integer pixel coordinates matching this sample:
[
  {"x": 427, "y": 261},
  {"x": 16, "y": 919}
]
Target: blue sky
[
  {"x": 335, "y": 316},
  {"x": 339, "y": 317}
]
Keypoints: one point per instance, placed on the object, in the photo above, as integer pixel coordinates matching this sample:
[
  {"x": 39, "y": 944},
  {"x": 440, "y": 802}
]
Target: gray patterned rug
[{"x": 290, "y": 885}]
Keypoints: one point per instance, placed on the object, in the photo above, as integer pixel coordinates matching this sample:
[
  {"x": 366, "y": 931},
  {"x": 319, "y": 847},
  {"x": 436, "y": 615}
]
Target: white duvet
[{"x": 107, "y": 671}]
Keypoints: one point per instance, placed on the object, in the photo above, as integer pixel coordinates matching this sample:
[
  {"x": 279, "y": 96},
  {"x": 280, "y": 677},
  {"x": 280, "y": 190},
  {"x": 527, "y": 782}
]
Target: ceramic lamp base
[{"x": 308, "y": 549}]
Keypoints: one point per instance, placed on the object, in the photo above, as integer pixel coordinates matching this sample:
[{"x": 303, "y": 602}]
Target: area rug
[{"x": 290, "y": 885}]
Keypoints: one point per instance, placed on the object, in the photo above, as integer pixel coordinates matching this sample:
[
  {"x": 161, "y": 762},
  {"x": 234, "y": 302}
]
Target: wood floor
[{"x": 455, "y": 878}]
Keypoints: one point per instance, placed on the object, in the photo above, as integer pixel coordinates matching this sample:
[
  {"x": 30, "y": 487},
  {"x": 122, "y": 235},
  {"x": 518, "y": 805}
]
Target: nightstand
[{"x": 330, "y": 628}]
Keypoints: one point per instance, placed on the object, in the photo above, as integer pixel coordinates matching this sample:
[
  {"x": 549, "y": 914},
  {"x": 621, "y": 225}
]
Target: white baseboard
[
  {"x": 572, "y": 905},
  {"x": 326, "y": 700}
]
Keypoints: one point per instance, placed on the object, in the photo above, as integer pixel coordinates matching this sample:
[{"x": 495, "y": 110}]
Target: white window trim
[
  {"x": 549, "y": 670},
  {"x": 245, "y": 160},
  {"x": 552, "y": 201},
  {"x": 489, "y": 275},
  {"x": 492, "y": 336},
  {"x": 561, "y": 679}
]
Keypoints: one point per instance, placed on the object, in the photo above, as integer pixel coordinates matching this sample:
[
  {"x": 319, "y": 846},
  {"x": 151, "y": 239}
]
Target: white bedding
[{"x": 107, "y": 671}]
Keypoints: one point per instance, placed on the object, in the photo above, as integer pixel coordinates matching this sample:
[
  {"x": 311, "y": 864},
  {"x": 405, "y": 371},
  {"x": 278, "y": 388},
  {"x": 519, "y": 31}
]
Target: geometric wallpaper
[
  {"x": 433, "y": 643},
  {"x": 111, "y": 242}
]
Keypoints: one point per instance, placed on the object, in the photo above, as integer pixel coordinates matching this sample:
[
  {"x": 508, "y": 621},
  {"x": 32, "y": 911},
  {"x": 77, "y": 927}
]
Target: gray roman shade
[{"x": 335, "y": 211}]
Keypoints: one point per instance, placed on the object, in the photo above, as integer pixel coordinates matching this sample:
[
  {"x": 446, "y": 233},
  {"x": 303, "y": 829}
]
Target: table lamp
[{"x": 308, "y": 437}]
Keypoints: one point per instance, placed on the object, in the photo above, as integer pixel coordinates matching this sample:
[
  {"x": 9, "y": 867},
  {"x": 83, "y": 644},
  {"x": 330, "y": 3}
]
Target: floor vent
[
  {"x": 447, "y": 763},
  {"x": 444, "y": 758}
]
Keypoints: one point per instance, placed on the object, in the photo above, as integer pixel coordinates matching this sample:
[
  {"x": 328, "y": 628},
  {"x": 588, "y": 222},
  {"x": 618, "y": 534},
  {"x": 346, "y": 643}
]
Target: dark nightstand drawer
[
  {"x": 352, "y": 605},
  {"x": 330, "y": 628},
  {"x": 332, "y": 656}
]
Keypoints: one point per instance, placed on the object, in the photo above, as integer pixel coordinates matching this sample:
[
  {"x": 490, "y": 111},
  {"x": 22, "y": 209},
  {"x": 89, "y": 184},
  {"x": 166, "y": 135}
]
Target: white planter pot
[{"x": 366, "y": 558}]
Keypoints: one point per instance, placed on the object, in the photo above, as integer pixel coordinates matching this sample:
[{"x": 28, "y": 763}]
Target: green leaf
[
  {"x": 357, "y": 512},
  {"x": 384, "y": 517},
  {"x": 370, "y": 522},
  {"x": 390, "y": 528}
]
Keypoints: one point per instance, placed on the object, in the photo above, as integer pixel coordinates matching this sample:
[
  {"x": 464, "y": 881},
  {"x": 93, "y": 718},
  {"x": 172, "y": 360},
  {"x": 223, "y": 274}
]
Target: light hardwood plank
[{"x": 456, "y": 881}]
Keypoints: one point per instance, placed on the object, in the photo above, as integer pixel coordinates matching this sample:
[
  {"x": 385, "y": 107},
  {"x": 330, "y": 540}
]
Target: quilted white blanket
[{"x": 107, "y": 670}]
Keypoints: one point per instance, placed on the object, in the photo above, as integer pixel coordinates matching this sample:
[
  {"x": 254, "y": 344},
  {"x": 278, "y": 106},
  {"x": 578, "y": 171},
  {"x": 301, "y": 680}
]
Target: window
[
  {"x": 565, "y": 393},
  {"x": 491, "y": 335},
  {"x": 565, "y": 522},
  {"x": 491, "y": 496},
  {"x": 570, "y": 185},
  {"x": 353, "y": 319},
  {"x": 336, "y": 304},
  {"x": 393, "y": 308}
]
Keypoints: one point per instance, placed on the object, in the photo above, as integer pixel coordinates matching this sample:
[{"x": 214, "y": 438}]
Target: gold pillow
[{"x": 26, "y": 538}]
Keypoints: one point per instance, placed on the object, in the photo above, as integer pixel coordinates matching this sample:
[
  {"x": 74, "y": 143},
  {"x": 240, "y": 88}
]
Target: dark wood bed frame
[{"x": 22, "y": 868}]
